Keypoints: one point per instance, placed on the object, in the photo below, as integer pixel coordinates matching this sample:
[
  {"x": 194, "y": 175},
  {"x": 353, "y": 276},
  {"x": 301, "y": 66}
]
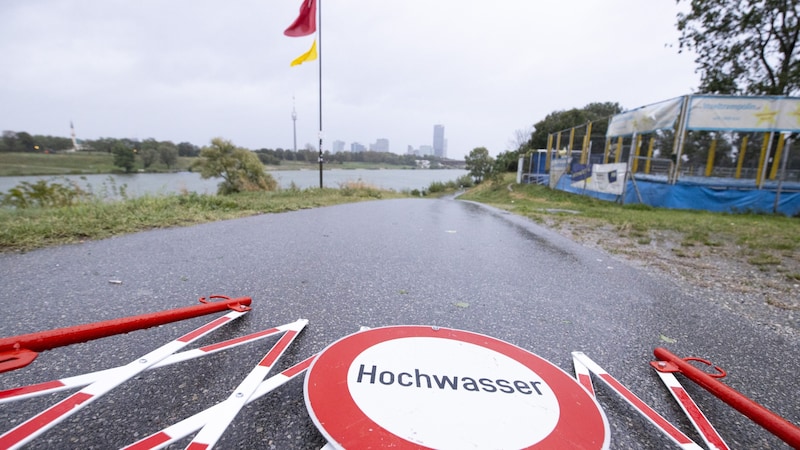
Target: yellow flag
[{"x": 310, "y": 55}]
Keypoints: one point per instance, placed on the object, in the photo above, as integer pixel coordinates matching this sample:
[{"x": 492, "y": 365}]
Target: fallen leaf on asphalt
[{"x": 666, "y": 339}]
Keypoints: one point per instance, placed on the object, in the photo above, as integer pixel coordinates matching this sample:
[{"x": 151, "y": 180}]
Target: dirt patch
[{"x": 763, "y": 286}]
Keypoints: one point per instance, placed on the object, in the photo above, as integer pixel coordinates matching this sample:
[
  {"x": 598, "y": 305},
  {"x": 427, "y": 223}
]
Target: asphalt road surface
[{"x": 438, "y": 262}]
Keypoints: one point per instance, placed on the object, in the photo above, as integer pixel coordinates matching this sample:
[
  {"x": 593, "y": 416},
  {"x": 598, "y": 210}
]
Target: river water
[{"x": 167, "y": 183}]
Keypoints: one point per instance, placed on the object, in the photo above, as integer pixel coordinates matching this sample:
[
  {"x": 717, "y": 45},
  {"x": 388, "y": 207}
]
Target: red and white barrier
[
  {"x": 700, "y": 422},
  {"x": 212, "y": 431},
  {"x": 211, "y": 423},
  {"x": 33, "y": 427},
  {"x": 191, "y": 424},
  {"x": 77, "y": 381},
  {"x": 674, "y": 434},
  {"x": 772, "y": 422}
]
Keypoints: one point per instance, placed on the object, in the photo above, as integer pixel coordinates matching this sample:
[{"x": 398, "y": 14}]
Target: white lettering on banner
[
  {"x": 602, "y": 181},
  {"x": 721, "y": 112}
]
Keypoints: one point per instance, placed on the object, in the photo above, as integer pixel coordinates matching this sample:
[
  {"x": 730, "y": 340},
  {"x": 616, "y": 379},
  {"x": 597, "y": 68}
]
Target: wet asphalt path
[{"x": 414, "y": 261}]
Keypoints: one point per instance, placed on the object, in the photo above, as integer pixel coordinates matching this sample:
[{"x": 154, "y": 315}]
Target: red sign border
[{"x": 344, "y": 425}]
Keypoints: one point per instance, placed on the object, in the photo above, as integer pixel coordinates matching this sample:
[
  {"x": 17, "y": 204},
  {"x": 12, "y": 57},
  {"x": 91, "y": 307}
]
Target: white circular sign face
[
  {"x": 423, "y": 387},
  {"x": 459, "y": 404}
]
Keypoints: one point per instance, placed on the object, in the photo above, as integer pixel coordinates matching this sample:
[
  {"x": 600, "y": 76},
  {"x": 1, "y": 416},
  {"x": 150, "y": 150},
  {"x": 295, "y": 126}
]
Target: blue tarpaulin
[{"x": 717, "y": 195}]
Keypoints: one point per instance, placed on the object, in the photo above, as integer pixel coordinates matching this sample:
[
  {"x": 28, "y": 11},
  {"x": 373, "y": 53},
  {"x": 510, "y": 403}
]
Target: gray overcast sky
[{"x": 190, "y": 70}]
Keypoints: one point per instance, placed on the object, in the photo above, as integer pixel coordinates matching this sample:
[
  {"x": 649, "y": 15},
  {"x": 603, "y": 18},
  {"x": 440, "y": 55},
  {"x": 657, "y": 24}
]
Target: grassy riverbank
[
  {"x": 78, "y": 163},
  {"x": 84, "y": 163},
  {"x": 770, "y": 243},
  {"x": 30, "y": 228}
]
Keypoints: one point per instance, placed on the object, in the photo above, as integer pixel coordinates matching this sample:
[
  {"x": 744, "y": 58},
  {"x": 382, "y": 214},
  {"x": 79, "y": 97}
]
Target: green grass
[
  {"x": 31, "y": 228},
  {"x": 761, "y": 234},
  {"x": 78, "y": 163}
]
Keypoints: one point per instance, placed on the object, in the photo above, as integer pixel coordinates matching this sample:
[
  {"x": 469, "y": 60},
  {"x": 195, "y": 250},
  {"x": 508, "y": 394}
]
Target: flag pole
[{"x": 319, "y": 52}]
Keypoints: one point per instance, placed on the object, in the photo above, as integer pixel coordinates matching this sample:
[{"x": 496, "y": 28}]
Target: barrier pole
[
  {"x": 762, "y": 159},
  {"x": 586, "y": 142},
  {"x": 549, "y": 154},
  {"x": 637, "y": 146},
  {"x": 776, "y": 159},
  {"x": 571, "y": 141},
  {"x": 742, "y": 151},
  {"x": 712, "y": 150},
  {"x": 19, "y": 351},
  {"x": 770, "y": 421},
  {"x": 650, "y": 148},
  {"x": 558, "y": 141}
]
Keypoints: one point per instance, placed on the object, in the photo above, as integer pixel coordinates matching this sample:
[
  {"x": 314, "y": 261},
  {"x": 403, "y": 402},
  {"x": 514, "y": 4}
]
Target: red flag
[{"x": 306, "y": 22}]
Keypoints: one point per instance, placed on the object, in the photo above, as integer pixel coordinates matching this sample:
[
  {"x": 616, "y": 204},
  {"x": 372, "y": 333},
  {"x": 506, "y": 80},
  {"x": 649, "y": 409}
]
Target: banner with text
[
  {"x": 657, "y": 116},
  {"x": 605, "y": 178},
  {"x": 729, "y": 113}
]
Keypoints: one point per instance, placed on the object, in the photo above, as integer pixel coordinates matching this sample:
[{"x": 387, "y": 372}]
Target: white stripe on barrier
[
  {"x": 646, "y": 411},
  {"x": 33, "y": 427},
  {"x": 77, "y": 381},
  {"x": 583, "y": 376},
  {"x": 191, "y": 424},
  {"x": 692, "y": 411},
  {"x": 212, "y": 431}
]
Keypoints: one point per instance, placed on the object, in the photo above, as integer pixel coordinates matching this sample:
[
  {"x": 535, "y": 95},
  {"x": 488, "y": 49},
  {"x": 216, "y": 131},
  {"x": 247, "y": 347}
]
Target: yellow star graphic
[
  {"x": 766, "y": 115},
  {"x": 796, "y": 113}
]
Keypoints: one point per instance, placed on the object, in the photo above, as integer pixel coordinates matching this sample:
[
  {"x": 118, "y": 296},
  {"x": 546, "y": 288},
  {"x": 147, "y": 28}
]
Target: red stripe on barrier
[
  {"x": 586, "y": 381},
  {"x": 276, "y": 351},
  {"x": 656, "y": 418},
  {"x": 197, "y": 446},
  {"x": 16, "y": 392},
  {"x": 299, "y": 367},
  {"x": 772, "y": 422},
  {"x": 230, "y": 342},
  {"x": 202, "y": 330},
  {"x": 19, "y": 351},
  {"x": 151, "y": 441},
  {"x": 704, "y": 426},
  {"x": 42, "y": 420}
]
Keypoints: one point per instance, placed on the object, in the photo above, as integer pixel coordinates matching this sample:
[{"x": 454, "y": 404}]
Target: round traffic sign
[{"x": 430, "y": 387}]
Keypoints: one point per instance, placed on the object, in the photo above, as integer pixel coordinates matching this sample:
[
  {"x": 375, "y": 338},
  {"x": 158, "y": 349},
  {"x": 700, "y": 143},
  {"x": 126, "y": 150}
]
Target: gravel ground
[{"x": 767, "y": 294}]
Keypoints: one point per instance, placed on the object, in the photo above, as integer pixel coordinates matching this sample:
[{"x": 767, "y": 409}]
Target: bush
[
  {"x": 240, "y": 169},
  {"x": 43, "y": 194},
  {"x": 437, "y": 186}
]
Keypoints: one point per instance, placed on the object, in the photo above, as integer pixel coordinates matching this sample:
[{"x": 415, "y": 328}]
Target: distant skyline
[{"x": 192, "y": 70}]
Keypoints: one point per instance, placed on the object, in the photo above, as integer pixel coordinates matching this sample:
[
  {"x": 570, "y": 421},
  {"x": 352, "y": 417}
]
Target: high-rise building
[
  {"x": 439, "y": 147},
  {"x": 355, "y": 147},
  {"x": 381, "y": 145},
  {"x": 338, "y": 146}
]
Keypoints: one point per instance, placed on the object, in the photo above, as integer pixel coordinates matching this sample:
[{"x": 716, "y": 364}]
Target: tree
[
  {"x": 123, "y": 156},
  {"x": 744, "y": 46},
  {"x": 563, "y": 120},
  {"x": 10, "y": 142},
  {"x": 521, "y": 137},
  {"x": 188, "y": 149},
  {"x": 168, "y": 153},
  {"x": 479, "y": 163},
  {"x": 240, "y": 169},
  {"x": 149, "y": 156}
]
